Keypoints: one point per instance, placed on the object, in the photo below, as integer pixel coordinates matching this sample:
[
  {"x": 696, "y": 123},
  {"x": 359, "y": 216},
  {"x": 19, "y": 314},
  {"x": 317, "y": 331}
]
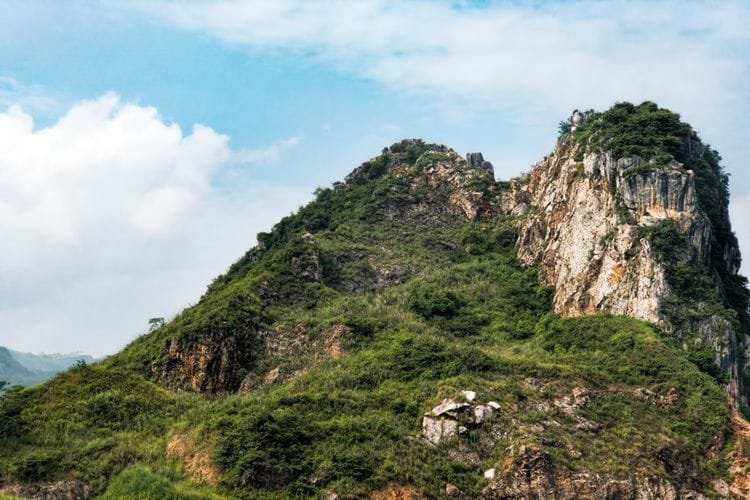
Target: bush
[
  {"x": 704, "y": 359},
  {"x": 429, "y": 301}
]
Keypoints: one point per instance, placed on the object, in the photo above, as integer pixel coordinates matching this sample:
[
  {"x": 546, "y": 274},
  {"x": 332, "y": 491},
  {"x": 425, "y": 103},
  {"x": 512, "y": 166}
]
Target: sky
[{"x": 144, "y": 144}]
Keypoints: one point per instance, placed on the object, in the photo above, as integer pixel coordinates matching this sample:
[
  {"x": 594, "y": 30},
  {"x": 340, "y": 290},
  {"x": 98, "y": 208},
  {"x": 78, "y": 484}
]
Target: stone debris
[
  {"x": 448, "y": 406},
  {"x": 451, "y": 418},
  {"x": 452, "y": 490},
  {"x": 469, "y": 395}
]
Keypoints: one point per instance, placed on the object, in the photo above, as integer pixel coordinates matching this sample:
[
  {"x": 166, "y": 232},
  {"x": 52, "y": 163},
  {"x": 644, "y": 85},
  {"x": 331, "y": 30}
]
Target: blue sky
[{"x": 221, "y": 117}]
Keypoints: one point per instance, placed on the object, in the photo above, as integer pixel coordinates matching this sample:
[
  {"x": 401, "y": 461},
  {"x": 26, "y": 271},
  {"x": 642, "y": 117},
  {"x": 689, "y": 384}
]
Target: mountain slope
[{"x": 385, "y": 340}]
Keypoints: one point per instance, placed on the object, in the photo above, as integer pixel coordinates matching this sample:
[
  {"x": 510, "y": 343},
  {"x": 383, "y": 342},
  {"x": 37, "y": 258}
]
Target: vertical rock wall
[{"x": 585, "y": 228}]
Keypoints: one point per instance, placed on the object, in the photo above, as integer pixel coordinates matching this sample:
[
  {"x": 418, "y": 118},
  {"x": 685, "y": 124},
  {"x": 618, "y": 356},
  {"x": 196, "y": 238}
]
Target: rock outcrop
[
  {"x": 590, "y": 218},
  {"x": 61, "y": 490},
  {"x": 531, "y": 473},
  {"x": 451, "y": 418},
  {"x": 477, "y": 160}
]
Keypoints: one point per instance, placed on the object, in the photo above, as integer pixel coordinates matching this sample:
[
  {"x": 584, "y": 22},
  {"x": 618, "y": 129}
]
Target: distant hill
[{"x": 22, "y": 368}]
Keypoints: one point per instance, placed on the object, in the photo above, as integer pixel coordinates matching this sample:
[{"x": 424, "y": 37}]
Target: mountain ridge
[
  {"x": 400, "y": 336},
  {"x": 21, "y": 368}
]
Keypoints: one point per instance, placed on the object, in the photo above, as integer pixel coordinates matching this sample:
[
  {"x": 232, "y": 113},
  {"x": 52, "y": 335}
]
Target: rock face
[
  {"x": 211, "y": 352},
  {"x": 61, "y": 490},
  {"x": 595, "y": 261},
  {"x": 589, "y": 216},
  {"x": 531, "y": 473}
]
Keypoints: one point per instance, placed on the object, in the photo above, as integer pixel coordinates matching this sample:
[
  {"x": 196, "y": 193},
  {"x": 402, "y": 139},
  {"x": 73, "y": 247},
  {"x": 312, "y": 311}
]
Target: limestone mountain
[
  {"x": 631, "y": 217},
  {"x": 424, "y": 330}
]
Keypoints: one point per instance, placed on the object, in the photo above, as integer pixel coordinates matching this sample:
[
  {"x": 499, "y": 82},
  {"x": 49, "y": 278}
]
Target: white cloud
[
  {"x": 498, "y": 54},
  {"x": 34, "y": 97},
  {"x": 112, "y": 213},
  {"x": 267, "y": 154},
  {"x": 532, "y": 61},
  {"x": 104, "y": 168}
]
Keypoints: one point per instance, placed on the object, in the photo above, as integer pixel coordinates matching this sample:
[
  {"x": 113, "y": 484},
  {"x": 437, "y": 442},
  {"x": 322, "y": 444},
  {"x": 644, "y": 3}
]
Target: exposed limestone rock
[
  {"x": 530, "y": 473},
  {"x": 197, "y": 461},
  {"x": 469, "y": 395},
  {"x": 586, "y": 232},
  {"x": 438, "y": 429},
  {"x": 62, "y": 490},
  {"x": 397, "y": 492},
  {"x": 272, "y": 376},
  {"x": 210, "y": 367},
  {"x": 595, "y": 261},
  {"x": 450, "y": 173},
  {"x": 452, "y": 490},
  {"x": 445, "y": 420},
  {"x": 578, "y": 118},
  {"x": 579, "y": 397},
  {"x": 332, "y": 340},
  {"x": 307, "y": 266},
  {"x": 477, "y": 160},
  {"x": 664, "y": 400}
]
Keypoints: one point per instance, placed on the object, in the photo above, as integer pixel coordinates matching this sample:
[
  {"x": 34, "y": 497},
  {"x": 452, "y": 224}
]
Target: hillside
[{"x": 423, "y": 330}]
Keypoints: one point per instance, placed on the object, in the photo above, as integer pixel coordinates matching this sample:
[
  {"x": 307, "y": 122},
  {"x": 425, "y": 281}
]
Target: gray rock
[
  {"x": 452, "y": 490},
  {"x": 477, "y": 160},
  {"x": 448, "y": 406},
  {"x": 438, "y": 429},
  {"x": 482, "y": 413},
  {"x": 72, "y": 489},
  {"x": 469, "y": 395}
]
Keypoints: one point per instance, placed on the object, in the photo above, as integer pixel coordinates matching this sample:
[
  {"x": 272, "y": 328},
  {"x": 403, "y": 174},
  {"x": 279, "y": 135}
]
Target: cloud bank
[
  {"x": 111, "y": 212},
  {"x": 531, "y": 61},
  {"x": 500, "y": 53}
]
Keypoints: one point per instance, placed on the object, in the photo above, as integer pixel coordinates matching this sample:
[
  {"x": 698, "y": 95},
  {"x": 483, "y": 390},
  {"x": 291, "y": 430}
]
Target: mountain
[
  {"x": 422, "y": 330},
  {"x": 20, "y": 368},
  {"x": 11, "y": 370}
]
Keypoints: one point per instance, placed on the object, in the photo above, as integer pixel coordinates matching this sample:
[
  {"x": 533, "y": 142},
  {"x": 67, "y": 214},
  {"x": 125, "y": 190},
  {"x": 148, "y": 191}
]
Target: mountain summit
[{"x": 424, "y": 330}]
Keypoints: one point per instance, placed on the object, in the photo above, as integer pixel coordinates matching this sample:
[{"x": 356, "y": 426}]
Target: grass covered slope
[{"x": 320, "y": 351}]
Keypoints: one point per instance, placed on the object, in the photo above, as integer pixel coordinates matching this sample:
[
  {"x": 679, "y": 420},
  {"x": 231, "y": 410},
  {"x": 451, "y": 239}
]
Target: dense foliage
[{"x": 644, "y": 130}]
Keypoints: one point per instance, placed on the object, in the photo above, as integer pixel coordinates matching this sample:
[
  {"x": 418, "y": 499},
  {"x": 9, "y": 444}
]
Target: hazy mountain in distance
[{"x": 22, "y": 368}]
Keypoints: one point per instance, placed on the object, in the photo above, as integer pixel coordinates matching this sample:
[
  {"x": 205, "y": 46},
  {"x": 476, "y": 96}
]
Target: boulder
[{"x": 438, "y": 429}]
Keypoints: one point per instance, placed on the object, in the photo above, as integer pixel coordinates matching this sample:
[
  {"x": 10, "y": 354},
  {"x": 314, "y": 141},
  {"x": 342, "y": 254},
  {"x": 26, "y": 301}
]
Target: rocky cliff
[{"x": 630, "y": 218}]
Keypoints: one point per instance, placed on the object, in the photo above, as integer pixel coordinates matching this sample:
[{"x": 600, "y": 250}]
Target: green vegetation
[
  {"x": 384, "y": 310},
  {"x": 140, "y": 482},
  {"x": 628, "y": 130}
]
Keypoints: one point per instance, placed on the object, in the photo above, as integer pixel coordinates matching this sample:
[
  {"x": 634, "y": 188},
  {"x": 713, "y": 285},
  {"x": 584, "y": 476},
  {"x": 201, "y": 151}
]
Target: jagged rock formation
[
  {"x": 595, "y": 226},
  {"x": 477, "y": 160}
]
